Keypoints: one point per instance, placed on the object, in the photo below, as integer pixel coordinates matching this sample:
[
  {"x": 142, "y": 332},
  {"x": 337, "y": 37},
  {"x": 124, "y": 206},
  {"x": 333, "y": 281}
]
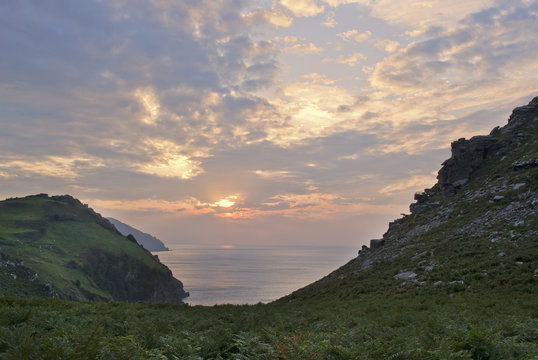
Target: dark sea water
[{"x": 249, "y": 275}]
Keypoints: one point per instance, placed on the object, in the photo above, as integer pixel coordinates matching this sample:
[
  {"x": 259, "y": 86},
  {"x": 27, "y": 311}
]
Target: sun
[{"x": 227, "y": 202}]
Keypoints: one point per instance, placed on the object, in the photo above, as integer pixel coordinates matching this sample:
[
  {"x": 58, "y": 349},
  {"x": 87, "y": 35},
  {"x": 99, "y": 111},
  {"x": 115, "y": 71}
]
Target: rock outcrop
[{"x": 477, "y": 226}]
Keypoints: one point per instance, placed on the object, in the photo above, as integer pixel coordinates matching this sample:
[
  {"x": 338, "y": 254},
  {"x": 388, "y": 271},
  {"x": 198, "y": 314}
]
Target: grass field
[{"x": 374, "y": 326}]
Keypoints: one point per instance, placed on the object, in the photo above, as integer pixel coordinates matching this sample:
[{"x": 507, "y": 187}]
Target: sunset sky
[{"x": 253, "y": 122}]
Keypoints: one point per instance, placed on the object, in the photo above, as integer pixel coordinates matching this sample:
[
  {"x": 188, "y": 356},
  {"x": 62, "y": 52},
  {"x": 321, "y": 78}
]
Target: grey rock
[
  {"x": 437, "y": 283},
  {"x": 498, "y": 197},
  {"x": 430, "y": 267},
  {"x": 518, "y": 186},
  {"x": 366, "y": 264},
  {"x": 501, "y": 254},
  {"x": 418, "y": 256},
  {"x": 374, "y": 244},
  {"x": 466, "y": 155},
  {"x": 405, "y": 275},
  {"x": 460, "y": 182},
  {"x": 525, "y": 164}
]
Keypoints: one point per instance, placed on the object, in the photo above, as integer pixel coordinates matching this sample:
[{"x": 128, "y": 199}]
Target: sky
[{"x": 234, "y": 122}]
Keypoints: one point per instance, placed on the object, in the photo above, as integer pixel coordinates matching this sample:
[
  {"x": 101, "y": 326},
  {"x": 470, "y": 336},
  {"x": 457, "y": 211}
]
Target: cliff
[
  {"x": 476, "y": 229},
  {"x": 149, "y": 242},
  {"x": 58, "y": 247}
]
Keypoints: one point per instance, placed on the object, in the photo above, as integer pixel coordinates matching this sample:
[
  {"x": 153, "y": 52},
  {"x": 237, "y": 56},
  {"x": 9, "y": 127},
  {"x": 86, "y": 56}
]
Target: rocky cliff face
[
  {"x": 477, "y": 226},
  {"x": 503, "y": 153}
]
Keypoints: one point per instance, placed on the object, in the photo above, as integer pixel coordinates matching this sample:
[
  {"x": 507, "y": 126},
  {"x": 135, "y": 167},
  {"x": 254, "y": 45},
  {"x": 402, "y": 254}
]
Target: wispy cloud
[
  {"x": 330, "y": 20},
  {"x": 274, "y": 174},
  {"x": 388, "y": 45},
  {"x": 349, "y": 60},
  {"x": 302, "y": 8},
  {"x": 303, "y": 49},
  {"x": 355, "y": 35}
]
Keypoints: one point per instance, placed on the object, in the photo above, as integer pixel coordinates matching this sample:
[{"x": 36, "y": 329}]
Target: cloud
[
  {"x": 479, "y": 50},
  {"x": 277, "y": 18},
  {"x": 309, "y": 105},
  {"x": 302, "y": 8},
  {"x": 414, "y": 183},
  {"x": 319, "y": 205},
  {"x": 303, "y": 49},
  {"x": 149, "y": 101},
  {"x": 48, "y": 166},
  {"x": 126, "y": 72},
  {"x": 349, "y": 60},
  {"x": 354, "y": 35},
  {"x": 418, "y": 12},
  {"x": 274, "y": 174},
  {"x": 336, "y": 3},
  {"x": 330, "y": 20},
  {"x": 191, "y": 205},
  {"x": 288, "y": 39},
  {"x": 388, "y": 45}
]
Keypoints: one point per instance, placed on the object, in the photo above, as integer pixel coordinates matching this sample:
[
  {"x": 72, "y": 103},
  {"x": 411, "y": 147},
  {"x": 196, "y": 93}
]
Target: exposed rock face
[
  {"x": 138, "y": 282},
  {"x": 485, "y": 202},
  {"x": 467, "y": 155}
]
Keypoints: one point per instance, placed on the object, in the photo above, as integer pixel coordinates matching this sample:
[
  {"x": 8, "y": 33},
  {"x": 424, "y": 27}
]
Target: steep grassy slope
[
  {"x": 57, "y": 247},
  {"x": 475, "y": 231}
]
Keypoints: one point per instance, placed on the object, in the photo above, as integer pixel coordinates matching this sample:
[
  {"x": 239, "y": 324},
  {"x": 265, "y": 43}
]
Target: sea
[{"x": 250, "y": 275}]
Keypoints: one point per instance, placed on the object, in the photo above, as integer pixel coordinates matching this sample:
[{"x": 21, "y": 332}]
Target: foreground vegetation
[{"x": 374, "y": 326}]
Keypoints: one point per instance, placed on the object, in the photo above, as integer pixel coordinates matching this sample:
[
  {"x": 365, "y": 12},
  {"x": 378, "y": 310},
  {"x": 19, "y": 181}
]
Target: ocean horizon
[{"x": 250, "y": 274}]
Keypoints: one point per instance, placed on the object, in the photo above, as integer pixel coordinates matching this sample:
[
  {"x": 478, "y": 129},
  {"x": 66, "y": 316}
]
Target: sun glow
[{"x": 227, "y": 202}]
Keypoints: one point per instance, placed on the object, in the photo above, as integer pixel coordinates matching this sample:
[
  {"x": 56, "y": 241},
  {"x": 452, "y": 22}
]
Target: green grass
[
  {"x": 69, "y": 247},
  {"x": 436, "y": 326}
]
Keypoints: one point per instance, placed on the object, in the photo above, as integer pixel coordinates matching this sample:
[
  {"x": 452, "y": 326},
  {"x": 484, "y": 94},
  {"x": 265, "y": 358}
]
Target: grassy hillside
[
  {"x": 480, "y": 237},
  {"x": 455, "y": 279},
  {"x": 57, "y": 247}
]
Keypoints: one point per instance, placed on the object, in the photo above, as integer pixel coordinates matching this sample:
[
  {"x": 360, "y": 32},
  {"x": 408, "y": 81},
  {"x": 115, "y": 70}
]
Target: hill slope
[
  {"x": 476, "y": 230},
  {"x": 58, "y": 247},
  {"x": 149, "y": 242}
]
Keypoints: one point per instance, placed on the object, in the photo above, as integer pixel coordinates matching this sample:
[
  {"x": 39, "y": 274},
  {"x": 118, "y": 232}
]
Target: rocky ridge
[{"x": 480, "y": 220}]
